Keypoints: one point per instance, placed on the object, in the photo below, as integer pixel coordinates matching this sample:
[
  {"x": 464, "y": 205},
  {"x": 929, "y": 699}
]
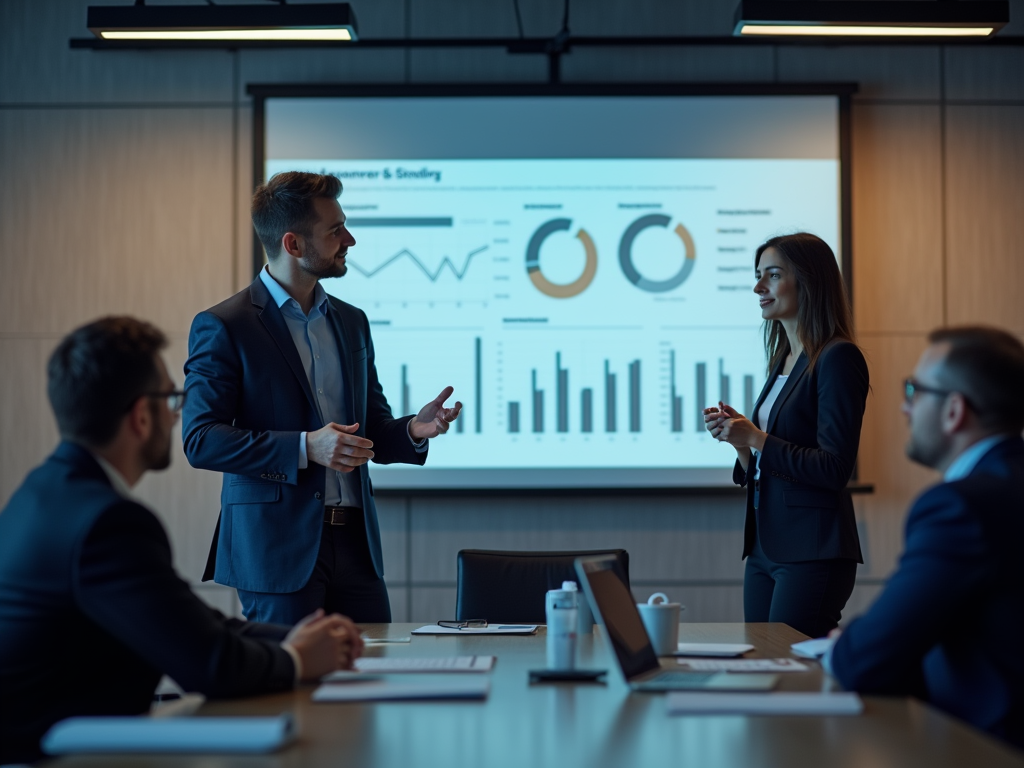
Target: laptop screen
[{"x": 617, "y": 611}]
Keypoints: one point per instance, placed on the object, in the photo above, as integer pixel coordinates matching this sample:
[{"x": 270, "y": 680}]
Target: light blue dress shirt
[{"x": 321, "y": 360}]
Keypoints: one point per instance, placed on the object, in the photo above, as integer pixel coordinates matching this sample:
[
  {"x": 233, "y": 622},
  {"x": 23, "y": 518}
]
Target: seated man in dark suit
[
  {"x": 948, "y": 626},
  {"x": 91, "y": 610}
]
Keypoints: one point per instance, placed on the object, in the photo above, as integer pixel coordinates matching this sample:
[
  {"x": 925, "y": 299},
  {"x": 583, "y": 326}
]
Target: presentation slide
[{"x": 582, "y": 279}]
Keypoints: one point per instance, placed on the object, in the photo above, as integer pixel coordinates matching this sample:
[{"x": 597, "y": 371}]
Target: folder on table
[{"x": 174, "y": 734}]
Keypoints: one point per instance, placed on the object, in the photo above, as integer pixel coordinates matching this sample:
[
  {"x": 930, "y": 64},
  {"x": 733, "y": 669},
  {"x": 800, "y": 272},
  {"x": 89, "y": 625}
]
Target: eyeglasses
[
  {"x": 467, "y": 624},
  {"x": 175, "y": 398},
  {"x": 911, "y": 388}
]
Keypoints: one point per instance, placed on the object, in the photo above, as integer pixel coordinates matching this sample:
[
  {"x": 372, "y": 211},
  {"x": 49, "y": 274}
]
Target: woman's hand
[{"x": 729, "y": 426}]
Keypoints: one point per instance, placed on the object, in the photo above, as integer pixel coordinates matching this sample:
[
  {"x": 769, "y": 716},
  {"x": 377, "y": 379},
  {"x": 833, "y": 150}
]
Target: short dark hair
[
  {"x": 285, "y": 204},
  {"x": 986, "y": 365},
  {"x": 97, "y": 372}
]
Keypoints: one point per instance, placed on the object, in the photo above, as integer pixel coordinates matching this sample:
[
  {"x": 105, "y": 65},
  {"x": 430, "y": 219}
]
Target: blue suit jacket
[
  {"x": 92, "y": 612},
  {"x": 948, "y": 626},
  {"x": 805, "y": 511},
  {"x": 248, "y": 400}
]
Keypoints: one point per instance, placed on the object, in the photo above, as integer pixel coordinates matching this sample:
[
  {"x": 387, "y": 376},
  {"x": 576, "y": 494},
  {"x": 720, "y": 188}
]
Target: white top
[{"x": 761, "y": 417}]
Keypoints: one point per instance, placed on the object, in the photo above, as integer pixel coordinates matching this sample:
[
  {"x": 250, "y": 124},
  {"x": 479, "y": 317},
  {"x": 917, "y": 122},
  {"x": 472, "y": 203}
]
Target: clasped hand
[
  {"x": 729, "y": 426},
  {"x": 325, "y": 643},
  {"x": 338, "y": 447}
]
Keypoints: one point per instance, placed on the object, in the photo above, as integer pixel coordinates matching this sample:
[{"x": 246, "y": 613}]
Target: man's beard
[
  {"x": 156, "y": 452},
  {"x": 313, "y": 263},
  {"x": 928, "y": 453}
]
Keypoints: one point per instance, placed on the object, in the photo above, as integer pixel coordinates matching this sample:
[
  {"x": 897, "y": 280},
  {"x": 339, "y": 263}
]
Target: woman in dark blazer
[{"x": 797, "y": 451}]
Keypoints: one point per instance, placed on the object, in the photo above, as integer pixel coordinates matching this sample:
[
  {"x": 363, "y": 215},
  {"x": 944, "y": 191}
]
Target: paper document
[
  {"x": 743, "y": 665},
  {"x": 172, "y": 734},
  {"x": 379, "y": 665},
  {"x": 813, "y": 649},
  {"x": 490, "y": 629},
  {"x": 713, "y": 649},
  {"x": 459, "y": 687},
  {"x": 783, "y": 703}
]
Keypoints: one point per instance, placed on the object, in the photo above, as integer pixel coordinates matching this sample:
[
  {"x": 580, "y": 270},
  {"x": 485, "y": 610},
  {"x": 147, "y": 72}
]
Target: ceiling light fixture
[
  {"x": 871, "y": 18},
  {"x": 331, "y": 22}
]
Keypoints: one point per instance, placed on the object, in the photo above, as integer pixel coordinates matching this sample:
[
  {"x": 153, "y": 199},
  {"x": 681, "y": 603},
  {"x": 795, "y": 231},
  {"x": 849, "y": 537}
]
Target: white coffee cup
[{"x": 661, "y": 620}]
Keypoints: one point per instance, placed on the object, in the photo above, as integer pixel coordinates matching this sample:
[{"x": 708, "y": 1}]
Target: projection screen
[{"x": 579, "y": 267}]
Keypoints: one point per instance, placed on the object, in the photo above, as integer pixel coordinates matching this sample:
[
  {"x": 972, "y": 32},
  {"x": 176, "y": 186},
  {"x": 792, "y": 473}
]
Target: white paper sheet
[
  {"x": 431, "y": 687},
  {"x": 377, "y": 665},
  {"x": 713, "y": 649},
  {"x": 743, "y": 665},
  {"x": 490, "y": 629}
]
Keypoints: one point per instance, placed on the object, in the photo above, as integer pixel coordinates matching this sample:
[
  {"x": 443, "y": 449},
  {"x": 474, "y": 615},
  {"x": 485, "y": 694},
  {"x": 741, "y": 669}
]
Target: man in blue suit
[
  {"x": 283, "y": 398},
  {"x": 948, "y": 626},
  {"x": 91, "y": 610}
]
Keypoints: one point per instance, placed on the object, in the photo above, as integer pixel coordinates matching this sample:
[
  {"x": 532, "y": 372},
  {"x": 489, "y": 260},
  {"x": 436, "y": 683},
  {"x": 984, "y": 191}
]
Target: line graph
[{"x": 405, "y": 252}]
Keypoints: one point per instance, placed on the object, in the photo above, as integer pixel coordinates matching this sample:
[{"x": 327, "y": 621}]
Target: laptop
[{"x": 616, "y": 611}]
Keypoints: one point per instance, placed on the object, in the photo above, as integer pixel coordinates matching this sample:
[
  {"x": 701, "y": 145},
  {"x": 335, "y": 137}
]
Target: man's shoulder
[
  {"x": 347, "y": 310},
  {"x": 986, "y": 500},
  {"x": 61, "y": 501},
  {"x": 353, "y": 319},
  {"x": 235, "y": 307}
]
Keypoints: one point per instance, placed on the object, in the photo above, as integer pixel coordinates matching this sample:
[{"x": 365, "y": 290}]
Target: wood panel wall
[{"x": 124, "y": 187}]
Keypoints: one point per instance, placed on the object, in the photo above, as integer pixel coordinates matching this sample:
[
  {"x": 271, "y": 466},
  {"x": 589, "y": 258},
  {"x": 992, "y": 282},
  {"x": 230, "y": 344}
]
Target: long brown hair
[{"x": 823, "y": 309}]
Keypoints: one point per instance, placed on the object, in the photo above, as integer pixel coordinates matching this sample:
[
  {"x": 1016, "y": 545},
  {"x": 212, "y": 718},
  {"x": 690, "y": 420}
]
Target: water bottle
[
  {"x": 562, "y": 617},
  {"x": 585, "y": 621}
]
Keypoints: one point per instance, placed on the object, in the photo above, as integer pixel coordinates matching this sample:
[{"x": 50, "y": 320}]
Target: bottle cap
[{"x": 569, "y": 586}]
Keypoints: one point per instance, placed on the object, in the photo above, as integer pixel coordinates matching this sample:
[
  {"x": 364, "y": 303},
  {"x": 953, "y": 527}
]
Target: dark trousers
[
  {"x": 808, "y": 596},
  {"x": 343, "y": 581}
]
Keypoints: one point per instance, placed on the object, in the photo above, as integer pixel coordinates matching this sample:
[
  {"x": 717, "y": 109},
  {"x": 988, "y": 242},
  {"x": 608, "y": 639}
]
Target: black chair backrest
[{"x": 509, "y": 587}]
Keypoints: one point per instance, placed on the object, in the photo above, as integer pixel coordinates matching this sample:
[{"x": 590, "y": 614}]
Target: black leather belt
[{"x": 343, "y": 515}]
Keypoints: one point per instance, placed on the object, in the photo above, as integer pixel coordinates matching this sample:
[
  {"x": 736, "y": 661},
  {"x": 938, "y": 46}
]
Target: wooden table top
[{"x": 594, "y": 725}]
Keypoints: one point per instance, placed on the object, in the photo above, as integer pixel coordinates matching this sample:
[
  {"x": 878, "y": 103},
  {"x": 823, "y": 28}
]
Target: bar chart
[{"x": 565, "y": 418}]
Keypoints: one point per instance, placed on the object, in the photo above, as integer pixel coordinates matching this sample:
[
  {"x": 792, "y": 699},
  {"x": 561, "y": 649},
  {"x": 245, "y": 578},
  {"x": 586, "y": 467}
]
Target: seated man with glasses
[
  {"x": 948, "y": 626},
  {"x": 92, "y": 612}
]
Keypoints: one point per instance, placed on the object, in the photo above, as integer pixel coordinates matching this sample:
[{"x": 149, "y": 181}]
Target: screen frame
[{"x": 842, "y": 91}]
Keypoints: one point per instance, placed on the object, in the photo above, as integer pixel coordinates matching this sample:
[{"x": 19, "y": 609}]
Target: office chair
[{"x": 509, "y": 587}]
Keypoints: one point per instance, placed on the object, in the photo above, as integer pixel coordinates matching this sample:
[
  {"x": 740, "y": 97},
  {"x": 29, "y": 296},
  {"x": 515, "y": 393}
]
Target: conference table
[{"x": 523, "y": 725}]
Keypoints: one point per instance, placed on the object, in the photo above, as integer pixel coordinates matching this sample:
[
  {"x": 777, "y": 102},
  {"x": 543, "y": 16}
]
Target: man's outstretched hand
[{"x": 433, "y": 418}]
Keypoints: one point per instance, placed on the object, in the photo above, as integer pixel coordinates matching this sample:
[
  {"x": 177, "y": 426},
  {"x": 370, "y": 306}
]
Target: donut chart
[
  {"x": 545, "y": 286},
  {"x": 626, "y": 254}
]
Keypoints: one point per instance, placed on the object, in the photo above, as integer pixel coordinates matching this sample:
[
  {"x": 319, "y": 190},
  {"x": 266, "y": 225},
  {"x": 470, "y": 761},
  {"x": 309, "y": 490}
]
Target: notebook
[{"x": 174, "y": 734}]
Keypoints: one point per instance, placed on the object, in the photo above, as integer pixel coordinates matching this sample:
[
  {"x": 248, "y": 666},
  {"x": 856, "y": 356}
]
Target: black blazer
[
  {"x": 92, "y": 612},
  {"x": 805, "y": 511}
]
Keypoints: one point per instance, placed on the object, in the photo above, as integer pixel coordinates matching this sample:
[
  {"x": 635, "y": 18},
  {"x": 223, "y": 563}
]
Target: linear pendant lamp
[
  {"x": 320, "y": 22},
  {"x": 871, "y": 18}
]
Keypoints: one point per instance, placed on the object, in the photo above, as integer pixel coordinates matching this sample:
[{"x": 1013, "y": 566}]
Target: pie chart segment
[
  {"x": 626, "y": 254},
  {"x": 545, "y": 286}
]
